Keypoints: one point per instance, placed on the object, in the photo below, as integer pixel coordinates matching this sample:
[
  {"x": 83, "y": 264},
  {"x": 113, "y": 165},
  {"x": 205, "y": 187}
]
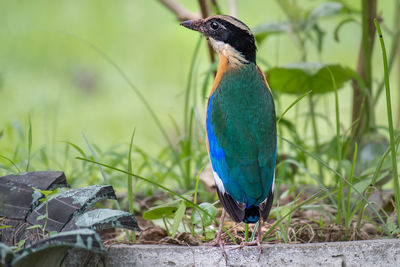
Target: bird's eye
[{"x": 214, "y": 25}]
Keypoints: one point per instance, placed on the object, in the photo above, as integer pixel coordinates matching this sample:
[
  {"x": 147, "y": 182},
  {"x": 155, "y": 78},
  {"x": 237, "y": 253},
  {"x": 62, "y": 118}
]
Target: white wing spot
[{"x": 219, "y": 183}]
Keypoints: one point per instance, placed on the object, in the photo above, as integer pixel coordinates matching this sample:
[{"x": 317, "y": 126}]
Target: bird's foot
[
  {"x": 219, "y": 243},
  {"x": 253, "y": 243}
]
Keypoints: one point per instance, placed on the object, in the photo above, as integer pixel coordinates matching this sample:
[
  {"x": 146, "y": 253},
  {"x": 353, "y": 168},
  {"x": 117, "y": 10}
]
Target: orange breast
[{"x": 223, "y": 67}]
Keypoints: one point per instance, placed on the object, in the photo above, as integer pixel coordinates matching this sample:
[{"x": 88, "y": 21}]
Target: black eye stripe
[
  {"x": 233, "y": 32},
  {"x": 228, "y": 25}
]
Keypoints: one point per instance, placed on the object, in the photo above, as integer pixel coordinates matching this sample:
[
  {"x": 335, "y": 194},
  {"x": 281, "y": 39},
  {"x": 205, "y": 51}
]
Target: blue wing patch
[
  {"x": 218, "y": 161},
  {"x": 217, "y": 154}
]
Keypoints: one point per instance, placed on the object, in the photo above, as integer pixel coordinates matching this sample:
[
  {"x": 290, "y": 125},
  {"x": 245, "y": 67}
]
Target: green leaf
[
  {"x": 5, "y": 226},
  {"x": 21, "y": 243},
  {"x": 292, "y": 9},
  {"x": 159, "y": 212},
  {"x": 53, "y": 233},
  {"x": 46, "y": 193},
  {"x": 363, "y": 184},
  {"x": 264, "y": 30},
  {"x": 76, "y": 147},
  {"x": 340, "y": 25},
  {"x": 178, "y": 217},
  {"x": 34, "y": 227},
  {"x": 199, "y": 219},
  {"x": 44, "y": 157},
  {"x": 41, "y": 217},
  {"x": 319, "y": 33},
  {"x": 299, "y": 78},
  {"x": 324, "y": 10}
]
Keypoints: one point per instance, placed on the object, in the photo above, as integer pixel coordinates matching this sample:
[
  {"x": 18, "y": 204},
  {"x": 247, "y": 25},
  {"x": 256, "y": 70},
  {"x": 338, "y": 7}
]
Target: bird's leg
[{"x": 217, "y": 240}]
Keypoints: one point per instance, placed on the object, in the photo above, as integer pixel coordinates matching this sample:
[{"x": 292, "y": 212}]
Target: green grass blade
[
  {"x": 315, "y": 133},
  {"x": 130, "y": 184},
  {"x": 292, "y": 105},
  {"x": 77, "y": 148},
  {"x": 180, "y": 212},
  {"x": 207, "y": 77},
  {"x": 12, "y": 162},
  {"x": 316, "y": 197},
  {"x": 130, "y": 177},
  {"x": 188, "y": 152},
  {"x": 390, "y": 122},
  {"x": 29, "y": 145},
  {"x": 162, "y": 187},
  {"x": 348, "y": 217},
  {"x": 393, "y": 51},
  {"x": 135, "y": 90},
  {"x": 196, "y": 189},
  {"x": 246, "y": 232},
  {"x": 253, "y": 234},
  {"x": 96, "y": 159},
  {"x": 341, "y": 208},
  {"x": 197, "y": 185},
  {"x": 324, "y": 164},
  {"x": 103, "y": 174},
  {"x": 189, "y": 83}
]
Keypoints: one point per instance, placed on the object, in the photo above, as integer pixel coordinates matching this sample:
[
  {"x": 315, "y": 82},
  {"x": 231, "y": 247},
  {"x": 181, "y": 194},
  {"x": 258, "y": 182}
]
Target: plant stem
[
  {"x": 204, "y": 13},
  {"x": 151, "y": 181},
  {"x": 253, "y": 234},
  {"x": 348, "y": 220},
  {"x": 398, "y": 68},
  {"x": 246, "y": 232},
  {"x": 29, "y": 145},
  {"x": 398, "y": 92},
  {"x": 390, "y": 123},
  {"x": 189, "y": 84},
  {"x": 130, "y": 185},
  {"x": 365, "y": 71},
  {"x": 137, "y": 92},
  {"x": 340, "y": 199},
  {"x": 188, "y": 180},
  {"x": 47, "y": 214},
  {"x": 315, "y": 132},
  {"x": 314, "y": 198}
]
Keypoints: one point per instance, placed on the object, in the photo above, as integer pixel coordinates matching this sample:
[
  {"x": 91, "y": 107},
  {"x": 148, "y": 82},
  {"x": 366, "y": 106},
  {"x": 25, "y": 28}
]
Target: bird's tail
[{"x": 252, "y": 214}]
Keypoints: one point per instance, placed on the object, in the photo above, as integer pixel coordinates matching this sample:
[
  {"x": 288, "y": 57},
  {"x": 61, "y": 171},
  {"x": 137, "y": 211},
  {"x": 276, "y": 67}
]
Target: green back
[{"x": 244, "y": 124}]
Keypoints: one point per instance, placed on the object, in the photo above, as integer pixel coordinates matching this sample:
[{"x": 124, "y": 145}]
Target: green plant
[
  {"x": 332, "y": 159},
  {"x": 130, "y": 184},
  {"x": 45, "y": 217},
  {"x": 390, "y": 123}
]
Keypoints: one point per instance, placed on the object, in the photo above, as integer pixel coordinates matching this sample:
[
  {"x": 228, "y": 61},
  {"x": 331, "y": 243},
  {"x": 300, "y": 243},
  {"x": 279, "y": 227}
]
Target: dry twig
[{"x": 180, "y": 11}]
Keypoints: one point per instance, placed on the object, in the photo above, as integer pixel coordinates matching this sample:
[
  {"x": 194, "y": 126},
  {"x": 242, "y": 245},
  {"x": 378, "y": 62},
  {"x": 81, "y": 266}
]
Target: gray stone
[
  {"x": 62, "y": 207},
  {"x": 355, "y": 253}
]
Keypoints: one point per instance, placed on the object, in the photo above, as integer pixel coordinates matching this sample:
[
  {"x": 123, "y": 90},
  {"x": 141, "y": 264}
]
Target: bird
[{"x": 240, "y": 124}]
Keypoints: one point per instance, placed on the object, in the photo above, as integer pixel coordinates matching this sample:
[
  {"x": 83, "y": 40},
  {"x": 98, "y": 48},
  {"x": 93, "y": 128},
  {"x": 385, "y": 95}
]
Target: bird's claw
[
  {"x": 254, "y": 243},
  {"x": 218, "y": 242}
]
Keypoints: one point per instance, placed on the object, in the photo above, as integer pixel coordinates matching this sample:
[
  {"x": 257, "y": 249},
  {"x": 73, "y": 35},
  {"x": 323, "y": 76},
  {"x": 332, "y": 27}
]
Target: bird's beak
[{"x": 195, "y": 24}]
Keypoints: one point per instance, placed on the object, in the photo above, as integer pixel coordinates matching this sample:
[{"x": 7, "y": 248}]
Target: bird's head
[{"x": 229, "y": 37}]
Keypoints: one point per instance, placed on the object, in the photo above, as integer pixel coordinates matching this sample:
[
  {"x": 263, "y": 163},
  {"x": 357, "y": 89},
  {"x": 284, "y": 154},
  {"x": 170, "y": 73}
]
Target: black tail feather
[
  {"x": 235, "y": 210},
  {"x": 265, "y": 207}
]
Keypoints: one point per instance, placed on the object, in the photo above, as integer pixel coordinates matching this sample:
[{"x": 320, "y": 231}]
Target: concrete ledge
[{"x": 355, "y": 253}]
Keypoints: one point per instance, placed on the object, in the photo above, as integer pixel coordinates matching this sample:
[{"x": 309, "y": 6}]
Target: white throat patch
[{"x": 234, "y": 57}]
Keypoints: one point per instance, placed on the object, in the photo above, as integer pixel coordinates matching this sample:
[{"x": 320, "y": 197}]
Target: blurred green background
[{"x": 51, "y": 73}]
